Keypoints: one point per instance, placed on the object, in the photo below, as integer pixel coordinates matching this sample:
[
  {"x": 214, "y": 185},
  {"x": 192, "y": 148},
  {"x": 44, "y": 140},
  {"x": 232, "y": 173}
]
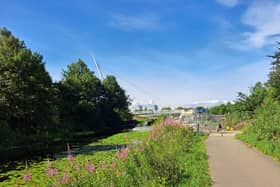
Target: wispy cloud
[
  {"x": 228, "y": 3},
  {"x": 147, "y": 22},
  {"x": 263, "y": 17}
]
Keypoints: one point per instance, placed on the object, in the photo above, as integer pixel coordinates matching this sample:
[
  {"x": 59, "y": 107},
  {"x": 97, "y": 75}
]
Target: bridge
[{"x": 150, "y": 114}]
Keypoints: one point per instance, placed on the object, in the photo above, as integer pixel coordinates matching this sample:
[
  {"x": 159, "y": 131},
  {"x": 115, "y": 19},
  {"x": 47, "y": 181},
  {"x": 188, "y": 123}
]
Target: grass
[
  {"x": 168, "y": 155},
  {"x": 122, "y": 138},
  {"x": 263, "y": 132},
  {"x": 142, "y": 121},
  {"x": 37, "y": 169},
  {"x": 268, "y": 147}
]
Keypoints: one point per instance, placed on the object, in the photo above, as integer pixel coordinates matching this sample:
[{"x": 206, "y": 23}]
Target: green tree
[
  {"x": 252, "y": 101},
  {"x": 82, "y": 98},
  {"x": 166, "y": 108},
  {"x": 274, "y": 75},
  {"x": 117, "y": 98},
  {"x": 26, "y": 91}
]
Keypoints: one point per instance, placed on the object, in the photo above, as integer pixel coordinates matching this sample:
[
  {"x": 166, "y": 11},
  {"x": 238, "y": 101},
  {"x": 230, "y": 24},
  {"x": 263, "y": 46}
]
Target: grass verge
[{"x": 268, "y": 147}]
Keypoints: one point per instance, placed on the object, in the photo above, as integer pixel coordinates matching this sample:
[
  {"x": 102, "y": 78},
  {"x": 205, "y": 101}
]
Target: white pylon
[{"x": 97, "y": 67}]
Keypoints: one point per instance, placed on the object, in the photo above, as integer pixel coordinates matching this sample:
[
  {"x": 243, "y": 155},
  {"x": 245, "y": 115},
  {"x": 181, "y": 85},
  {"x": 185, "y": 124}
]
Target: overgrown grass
[
  {"x": 169, "y": 155},
  {"x": 264, "y": 132},
  {"x": 268, "y": 147},
  {"x": 37, "y": 169}
]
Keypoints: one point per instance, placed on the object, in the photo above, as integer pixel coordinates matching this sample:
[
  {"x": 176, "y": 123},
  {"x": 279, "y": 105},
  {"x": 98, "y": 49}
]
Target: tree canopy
[{"x": 26, "y": 91}]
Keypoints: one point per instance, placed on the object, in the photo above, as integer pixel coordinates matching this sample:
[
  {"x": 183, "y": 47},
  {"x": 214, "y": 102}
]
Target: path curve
[{"x": 234, "y": 164}]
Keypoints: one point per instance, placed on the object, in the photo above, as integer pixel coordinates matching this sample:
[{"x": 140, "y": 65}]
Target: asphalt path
[{"x": 233, "y": 164}]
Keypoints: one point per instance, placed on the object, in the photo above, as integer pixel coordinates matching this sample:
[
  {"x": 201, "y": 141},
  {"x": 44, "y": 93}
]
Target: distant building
[
  {"x": 144, "y": 108},
  {"x": 151, "y": 107},
  {"x": 137, "y": 108}
]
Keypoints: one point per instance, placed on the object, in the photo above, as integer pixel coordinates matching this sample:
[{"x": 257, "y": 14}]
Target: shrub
[{"x": 264, "y": 131}]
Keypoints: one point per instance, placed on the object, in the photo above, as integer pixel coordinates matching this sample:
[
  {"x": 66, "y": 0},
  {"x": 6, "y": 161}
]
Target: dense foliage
[
  {"x": 264, "y": 131},
  {"x": 274, "y": 76},
  {"x": 33, "y": 108}
]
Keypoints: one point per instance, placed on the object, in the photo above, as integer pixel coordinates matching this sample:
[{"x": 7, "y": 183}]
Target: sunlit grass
[{"x": 37, "y": 169}]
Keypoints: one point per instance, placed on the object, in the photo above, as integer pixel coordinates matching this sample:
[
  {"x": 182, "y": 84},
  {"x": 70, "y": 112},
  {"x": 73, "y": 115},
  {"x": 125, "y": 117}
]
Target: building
[{"x": 144, "y": 108}]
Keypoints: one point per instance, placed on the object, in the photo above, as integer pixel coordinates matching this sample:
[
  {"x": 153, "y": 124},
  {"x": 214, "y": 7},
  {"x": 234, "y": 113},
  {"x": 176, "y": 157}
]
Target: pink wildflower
[
  {"x": 123, "y": 153},
  {"x": 52, "y": 171},
  {"x": 65, "y": 179},
  {"x": 78, "y": 167},
  {"x": 69, "y": 156},
  {"x": 89, "y": 167},
  {"x": 123, "y": 173},
  {"x": 27, "y": 176}
]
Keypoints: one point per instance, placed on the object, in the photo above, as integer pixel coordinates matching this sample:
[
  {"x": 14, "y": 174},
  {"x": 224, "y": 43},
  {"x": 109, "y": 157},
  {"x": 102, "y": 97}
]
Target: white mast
[{"x": 97, "y": 67}]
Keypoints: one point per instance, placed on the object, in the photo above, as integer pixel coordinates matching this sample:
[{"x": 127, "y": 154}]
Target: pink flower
[
  {"x": 78, "y": 167},
  {"x": 65, "y": 179},
  {"x": 69, "y": 156},
  {"x": 52, "y": 171},
  {"x": 123, "y": 153},
  {"x": 27, "y": 177},
  {"x": 89, "y": 167}
]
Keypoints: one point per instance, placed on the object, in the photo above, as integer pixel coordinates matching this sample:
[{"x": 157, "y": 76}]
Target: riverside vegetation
[
  {"x": 168, "y": 155},
  {"x": 258, "y": 114},
  {"x": 36, "y": 110}
]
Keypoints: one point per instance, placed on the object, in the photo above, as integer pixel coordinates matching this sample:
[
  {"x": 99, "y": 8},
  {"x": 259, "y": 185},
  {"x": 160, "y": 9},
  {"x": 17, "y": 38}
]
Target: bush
[{"x": 264, "y": 131}]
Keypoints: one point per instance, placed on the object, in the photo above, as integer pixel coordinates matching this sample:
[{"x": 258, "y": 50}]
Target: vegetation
[
  {"x": 183, "y": 108},
  {"x": 260, "y": 110},
  {"x": 169, "y": 155},
  {"x": 166, "y": 108},
  {"x": 264, "y": 132},
  {"x": 244, "y": 107},
  {"x": 33, "y": 109},
  {"x": 37, "y": 169}
]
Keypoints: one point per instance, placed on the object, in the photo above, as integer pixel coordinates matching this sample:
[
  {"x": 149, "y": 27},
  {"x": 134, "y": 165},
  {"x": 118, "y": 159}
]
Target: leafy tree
[
  {"x": 118, "y": 100},
  {"x": 251, "y": 102},
  {"x": 219, "y": 110},
  {"x": 274, "y": 75},
  {"x": 26, "y": 92},
  {"x": 182, "y": 108},
  {"x": 166, "y": 108},
  {"x": 82, "y": 98}
]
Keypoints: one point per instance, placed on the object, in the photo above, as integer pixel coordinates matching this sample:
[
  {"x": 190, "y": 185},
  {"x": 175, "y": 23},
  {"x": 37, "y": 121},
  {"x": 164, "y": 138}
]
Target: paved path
[{"x": 234, "y": 164}]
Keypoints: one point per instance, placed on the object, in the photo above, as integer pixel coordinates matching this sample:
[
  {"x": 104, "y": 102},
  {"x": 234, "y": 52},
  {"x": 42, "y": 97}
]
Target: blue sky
[{"x": 174, "y": 52}]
